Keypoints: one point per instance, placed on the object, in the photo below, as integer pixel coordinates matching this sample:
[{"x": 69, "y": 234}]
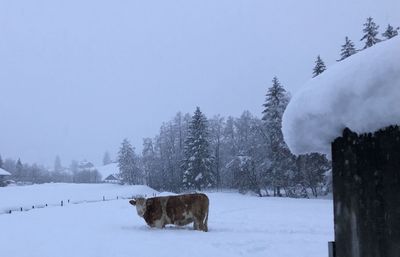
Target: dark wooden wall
[{"x": 366, "y": 193}]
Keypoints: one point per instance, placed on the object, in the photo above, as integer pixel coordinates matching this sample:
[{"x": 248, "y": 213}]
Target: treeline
[
  {"x": 245, "y": 153},
  {"x": 24, "y": 173}
]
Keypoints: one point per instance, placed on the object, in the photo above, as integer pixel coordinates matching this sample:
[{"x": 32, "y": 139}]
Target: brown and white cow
[{"x": 178, "y": 210}]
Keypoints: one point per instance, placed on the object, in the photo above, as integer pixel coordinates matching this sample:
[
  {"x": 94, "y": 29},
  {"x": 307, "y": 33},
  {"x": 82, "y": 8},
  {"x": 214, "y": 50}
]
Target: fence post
[
  {"x": 331, "y": 249},
  {"x": 21, "y": 208},
  {"x": 33, "y": 206},
  {"x": 62, "y": 203}
]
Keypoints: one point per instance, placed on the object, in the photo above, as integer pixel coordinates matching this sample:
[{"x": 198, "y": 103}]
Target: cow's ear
[{"x": 133, "y": 202}]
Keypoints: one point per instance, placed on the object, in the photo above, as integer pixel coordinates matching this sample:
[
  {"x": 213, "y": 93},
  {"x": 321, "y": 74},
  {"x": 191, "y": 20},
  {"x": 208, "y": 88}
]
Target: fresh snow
[
  {"x": 198, "y": 177},
  {"x": 15, "y": 197},
  {"x": 4, "y": 173},
  {"x": 361, "y": 92},
  {"x": 239, "y": 225}
]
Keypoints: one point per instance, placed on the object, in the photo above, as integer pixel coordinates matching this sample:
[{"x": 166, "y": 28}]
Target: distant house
[
  {"x": 109, "y": 173},
  {"x": 3, "y": 177},
  {"x": 112, "y": 179}
]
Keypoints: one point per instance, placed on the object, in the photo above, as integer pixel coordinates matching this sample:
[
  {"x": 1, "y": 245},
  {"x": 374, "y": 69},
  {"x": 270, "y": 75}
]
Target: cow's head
[{"x": 140, "y": 204}]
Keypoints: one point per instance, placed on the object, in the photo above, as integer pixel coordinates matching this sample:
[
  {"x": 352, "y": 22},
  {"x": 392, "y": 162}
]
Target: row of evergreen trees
[
  {"x": 370, "y": 37},
  {"x": 245, "y": 153}
]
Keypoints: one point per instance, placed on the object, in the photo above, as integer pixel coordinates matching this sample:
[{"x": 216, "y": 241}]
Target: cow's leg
[
  {"x": 159, "y": 224},
  {"x": 203, "y": 226},
  {"x": 199, "y": 224},
  {"x": 206, "y": 223},
  {"x": 196, "y": 224}
]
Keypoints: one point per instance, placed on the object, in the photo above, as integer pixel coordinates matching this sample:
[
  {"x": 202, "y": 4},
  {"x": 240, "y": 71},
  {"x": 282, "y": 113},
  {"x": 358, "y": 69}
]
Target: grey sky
[{"x": 76, "y": 77}]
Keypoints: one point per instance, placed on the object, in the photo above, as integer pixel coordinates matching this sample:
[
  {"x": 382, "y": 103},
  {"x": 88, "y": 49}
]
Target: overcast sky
[{"x": 78, "y": 76}]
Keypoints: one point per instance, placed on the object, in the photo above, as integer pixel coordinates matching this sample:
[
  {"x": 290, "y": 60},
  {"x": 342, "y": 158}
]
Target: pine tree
[
  {"x": 57, "y": 164},
  {"x": 281, "y": 159},
  {"x": 371, "y": 32},
  {"x": 19, "y": 170},
  {"x": 106, "y": 158},
  {"x": 348, "y": 49},
  {"x": 390, "y": 32},
  {"x": 197, "y": 164},
  {"x": 244, "y": 174},
  {"x": 216, "y": 125},
  {"x": 313, "y": 168},
  {"x": 127, "y": 163},
  {"x": 319, "y": 67},
  {"x": 149, "y": 163}
]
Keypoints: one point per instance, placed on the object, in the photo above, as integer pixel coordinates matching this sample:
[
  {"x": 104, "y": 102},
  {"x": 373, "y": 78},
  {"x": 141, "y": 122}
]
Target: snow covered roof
[
  {"x": 111, "y": 177},
  {"x": 107, "y": 170},
  {"x": 361, "y": 92},
  {"x": 4, "y": 173}
]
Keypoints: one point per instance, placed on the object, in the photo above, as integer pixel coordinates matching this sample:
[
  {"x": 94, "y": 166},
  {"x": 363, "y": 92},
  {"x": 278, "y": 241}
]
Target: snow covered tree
[
  {"x": 106, "y": 158},
  {"x": 57, "y": 164},
  {"x": 313, "y": 168},
  {"x": 197, "y": 163},
  {"x": 19, "y": 170},
  {"x": 170, "y": 148},
  {"x": 348, "y": 49},
  {"x": 244, "y": 174},
  {"x": 281, "y": 160},
  {"x": 216, "y": 137},
  {"x": 370, "y": 33},
  {"x": 127, "y": 163},
  {"x": 1, "y": 162},
  {"x": 390, "y": 32},
  {"x": 319, "y": 67},
  {"x": 83, "y": 172},
  {"x": 152, "y": 165}
]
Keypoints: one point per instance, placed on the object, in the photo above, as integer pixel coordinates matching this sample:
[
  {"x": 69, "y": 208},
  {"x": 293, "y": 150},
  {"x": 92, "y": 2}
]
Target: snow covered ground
[
  {"x": 15, "y": 197},
  {"x": 240, "y": 225}
]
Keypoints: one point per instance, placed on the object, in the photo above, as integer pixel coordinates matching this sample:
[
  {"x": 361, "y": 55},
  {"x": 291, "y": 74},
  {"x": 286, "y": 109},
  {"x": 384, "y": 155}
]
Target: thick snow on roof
[
  {"x": 3, "y": 172},
  {"x": 107, "y": 170},
  {"x": 361, "y": 92}
]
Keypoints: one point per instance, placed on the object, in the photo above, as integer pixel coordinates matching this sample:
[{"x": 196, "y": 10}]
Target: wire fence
[{"x": 62, "y": 203}]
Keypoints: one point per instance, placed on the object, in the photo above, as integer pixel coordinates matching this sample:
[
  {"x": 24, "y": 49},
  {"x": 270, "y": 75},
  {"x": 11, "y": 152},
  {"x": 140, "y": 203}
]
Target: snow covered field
[
  {"x": 15, "y": 197},
  {"x": 240, "y": 225}
]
